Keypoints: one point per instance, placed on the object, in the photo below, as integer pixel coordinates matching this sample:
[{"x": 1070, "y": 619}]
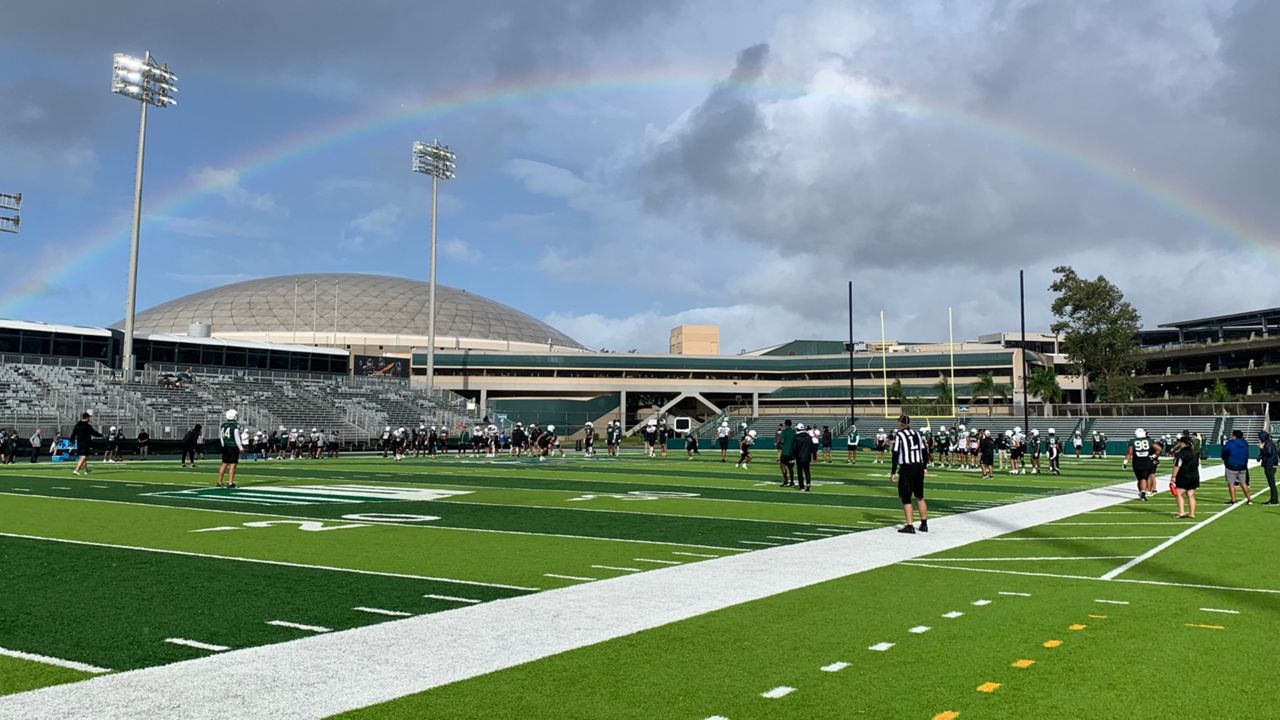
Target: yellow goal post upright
[{"x": 951, "y": 375}]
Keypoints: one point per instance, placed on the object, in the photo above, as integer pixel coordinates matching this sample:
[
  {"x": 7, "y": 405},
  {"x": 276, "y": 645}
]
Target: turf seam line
[
  {"x": 50, "y": 660},
  {"x": 267, "y": 562}
]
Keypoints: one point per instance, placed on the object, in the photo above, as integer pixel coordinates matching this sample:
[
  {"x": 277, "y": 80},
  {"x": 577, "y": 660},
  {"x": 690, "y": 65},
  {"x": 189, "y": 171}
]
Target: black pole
[
  {"x": 1022, "y": 303},
  {"x": 850, "y": 349}
]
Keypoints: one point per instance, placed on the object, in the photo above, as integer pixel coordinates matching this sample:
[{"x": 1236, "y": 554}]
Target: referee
[{"x": 910, "y": 458}]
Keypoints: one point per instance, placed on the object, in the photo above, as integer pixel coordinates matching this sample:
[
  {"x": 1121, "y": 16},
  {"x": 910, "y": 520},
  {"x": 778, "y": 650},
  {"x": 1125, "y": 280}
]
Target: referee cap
[{"x": 904, "y": 419}]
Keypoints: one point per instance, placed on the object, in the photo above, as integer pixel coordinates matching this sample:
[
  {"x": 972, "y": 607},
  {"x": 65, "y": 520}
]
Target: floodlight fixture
[
  {"x": 152, "y": 84},
  {"x": 144, "y": 80},
  {"x": 439, "y": 162}
]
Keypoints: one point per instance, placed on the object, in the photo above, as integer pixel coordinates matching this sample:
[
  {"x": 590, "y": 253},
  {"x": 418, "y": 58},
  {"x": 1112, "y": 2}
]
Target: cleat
[
  {"x": 907, "y": 529},
  {"x": 924, "y": 526}
]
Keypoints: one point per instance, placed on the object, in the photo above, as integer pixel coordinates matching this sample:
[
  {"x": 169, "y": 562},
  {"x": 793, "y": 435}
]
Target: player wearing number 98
[
  {"x": 1143, "y": 453},
  {"x": 232, "y": 445}
]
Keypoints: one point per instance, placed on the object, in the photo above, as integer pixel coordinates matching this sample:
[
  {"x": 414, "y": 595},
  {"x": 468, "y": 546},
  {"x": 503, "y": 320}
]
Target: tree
[
  {"x": 1043, "y": 384},
  {"x": 987, "y": 387},
  {"x": 944, "y": 402},
  {"x": 1099, "y": 333},
  {"x": 1219, "y": 394}
]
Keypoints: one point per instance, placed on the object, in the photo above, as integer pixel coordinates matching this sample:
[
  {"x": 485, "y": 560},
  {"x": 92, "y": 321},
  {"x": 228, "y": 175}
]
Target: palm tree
[
  {"x": 944, "y": 403},
  {"x": 896, "y": 393},
  {"x": 1043, "y": 383},
  {"x": 987, "y": 387}
]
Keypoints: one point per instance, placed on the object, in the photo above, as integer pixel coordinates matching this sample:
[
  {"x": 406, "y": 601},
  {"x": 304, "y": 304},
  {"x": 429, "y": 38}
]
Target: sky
[{"x": 627, "y": 167}]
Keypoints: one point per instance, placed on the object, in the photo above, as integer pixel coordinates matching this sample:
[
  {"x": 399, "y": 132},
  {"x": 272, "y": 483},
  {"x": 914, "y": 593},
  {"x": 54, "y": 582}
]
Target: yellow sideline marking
[
  {"x": 1206, "y": 627},
  {"x": 947, "y": 715},
  {"x": 1051, "y": 643},
  {"x": 1077, "y": 626},
  {"x": 988, "y": 687},
  {"x": 1024, "y": 664}
]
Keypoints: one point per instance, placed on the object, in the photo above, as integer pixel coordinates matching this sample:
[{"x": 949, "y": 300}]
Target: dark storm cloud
[
  {"x": 711, "y": 152},
  {"x": 1117, "y": 95},
  {"x": 1250, "y": 91},
  {"x": 374, "y": 45}
]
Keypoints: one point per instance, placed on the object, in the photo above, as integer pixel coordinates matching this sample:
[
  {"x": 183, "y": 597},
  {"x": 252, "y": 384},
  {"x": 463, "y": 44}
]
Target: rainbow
[{"x": 1071, "y": 152}]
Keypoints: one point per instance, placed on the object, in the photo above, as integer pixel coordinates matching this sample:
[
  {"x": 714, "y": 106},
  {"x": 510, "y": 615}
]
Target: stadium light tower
[
  {"x": 437, "y": 161},
  {"x": 10, "y": 223},
  {"x": 151, "y": 84}
]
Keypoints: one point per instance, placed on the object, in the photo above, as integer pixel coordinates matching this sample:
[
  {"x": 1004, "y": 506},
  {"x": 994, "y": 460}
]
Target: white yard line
[
  {"x": 659, "y": 562},
  {"x": 881, "y": 646},
  {"x": 778, "y": 692},
  {"x": 387, "y": 660},
  {"x": 1014, "y": 594},
  {"x": 697, "y": 555},
  {"x": 267, "y": 562},
  {"x": 300, "y": 626},
  {"x": 453, "y": 598},
  {"x": 569, "y": 577},
  {"x": 1220, "y": 610},
  {"x": 196, "y": 644},
  {"x": 612, "y": 567},
  {"x": 380, "y": 611},
  {"x": 1173, "y": 540},
  {"x": 834, "y": 667},
  {"x": 48, "y": 660}
]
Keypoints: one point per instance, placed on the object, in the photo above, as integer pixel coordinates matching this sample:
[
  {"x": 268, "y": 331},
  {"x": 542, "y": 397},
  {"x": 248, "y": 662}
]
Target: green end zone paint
[{"x": 116, "y": 608}]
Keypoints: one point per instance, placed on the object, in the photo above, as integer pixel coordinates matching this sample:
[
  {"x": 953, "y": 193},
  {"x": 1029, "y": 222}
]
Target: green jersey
[
  {"x": 786, "y": 440},
  {"x": 228, "y": 434},
  {"x": 853, "y": 437}
]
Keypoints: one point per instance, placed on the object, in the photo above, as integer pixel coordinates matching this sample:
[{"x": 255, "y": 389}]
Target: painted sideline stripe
[
  {"x": 659, "y": 562},
  {"x": 388, "y": 660},
  {"x": 1112, "y": 602},
  {"x": 452, "y": 598},
  {"x": 300, "y": 626},
  {"x": 568, "y": 577},
  {"x": 1171, "y": 541},
  {"x": 759, "y": 542},
  {"x": 380, "y": 611},
  {"x": 1015, "y": 594},
  {"x": 611, "y": 567},
  {"x": 692, "y": 554},
  {"x": 1220, "y": 610},
  {"x": 197, "y": 644},
  {"x": 268, "y": 562},
  {"x": 49, "y": 660}
]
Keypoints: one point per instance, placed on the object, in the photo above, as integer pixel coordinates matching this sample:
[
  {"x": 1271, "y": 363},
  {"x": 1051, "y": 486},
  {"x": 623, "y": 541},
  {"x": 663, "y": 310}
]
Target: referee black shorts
[{"x": 910, "y": 483}]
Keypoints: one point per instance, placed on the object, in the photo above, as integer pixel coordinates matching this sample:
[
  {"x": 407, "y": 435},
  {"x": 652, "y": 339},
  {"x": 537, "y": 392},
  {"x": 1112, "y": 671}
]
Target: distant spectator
[
  {"x": 82, "y": 436},
  {"x": 1268, "y": 456},
  {"x": 144, "y": 443},
  {"x": 36, "y": 441},
  {"x": 1235, "y": 455},
  {"x": 199, "y": 445},
  {"x": 189, "y": 444},
  {"x": 1186, "y": 475}
]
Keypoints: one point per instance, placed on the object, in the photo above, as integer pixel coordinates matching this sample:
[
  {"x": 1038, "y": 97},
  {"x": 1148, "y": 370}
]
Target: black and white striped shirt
[{"x": 908, "y": 449}]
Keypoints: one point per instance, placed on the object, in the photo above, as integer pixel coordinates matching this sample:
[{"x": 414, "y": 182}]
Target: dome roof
[{"x": 373, "y": 304}]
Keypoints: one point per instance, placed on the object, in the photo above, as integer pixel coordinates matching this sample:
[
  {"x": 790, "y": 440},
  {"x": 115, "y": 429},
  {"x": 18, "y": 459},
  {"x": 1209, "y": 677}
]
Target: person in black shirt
[
  {"x": 1186, "y": 476},
  {"x": 189, "y": 445},
  {"x": 987, "y": 455},
  {"x": 82, "y": 436},
  {"x": 144, "y": 443},
  {"x": 802, "y": 451}
]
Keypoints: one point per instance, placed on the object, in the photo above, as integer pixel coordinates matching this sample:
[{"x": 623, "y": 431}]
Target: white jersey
[
  {"x": 1019, "y": 440},
  {"x": 722, "y": 431},
  {"x": 881, "y": 437},
  {"x": 1077, "y": 441},
  {"x": 962, "y": 440}
]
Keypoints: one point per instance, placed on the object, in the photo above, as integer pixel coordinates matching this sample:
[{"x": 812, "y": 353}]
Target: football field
[{"x": 626, "y": 588}]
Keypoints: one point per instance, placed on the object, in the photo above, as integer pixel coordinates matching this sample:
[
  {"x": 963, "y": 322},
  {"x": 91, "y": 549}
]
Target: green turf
[
  {"x": 114, "y": 608},
  {"x": 21, "y": 675},
  {"x": 1143, "y": 659}
]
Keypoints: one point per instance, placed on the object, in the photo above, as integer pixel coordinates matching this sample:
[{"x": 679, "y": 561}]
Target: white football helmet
[
  {"x": 1017, "y": 429},
  {"x": 752, "y": 433},
  {"x": 1139, "y": 433},
  {"x": 231, "y": 414},
  {"x": 799, "y": 426},
  {"x": 551, "y": 428},
  {"x": 589, "y": 424},
  {"x": 961, "y": 428}
]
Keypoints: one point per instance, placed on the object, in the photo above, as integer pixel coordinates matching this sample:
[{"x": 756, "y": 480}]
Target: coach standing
[
  {"x": 1268, "y": 458},
  {"x": 910, "y": 458},
  {"x": 82, "y": 436},
  {"x": 1235, "y": 455}
]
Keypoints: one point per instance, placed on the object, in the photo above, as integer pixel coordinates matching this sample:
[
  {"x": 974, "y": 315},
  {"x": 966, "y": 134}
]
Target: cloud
[
  {"x": 226, "y": 183},
  {"x": 459, "y": 251},
  {"x": 381, "y": 220}
]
